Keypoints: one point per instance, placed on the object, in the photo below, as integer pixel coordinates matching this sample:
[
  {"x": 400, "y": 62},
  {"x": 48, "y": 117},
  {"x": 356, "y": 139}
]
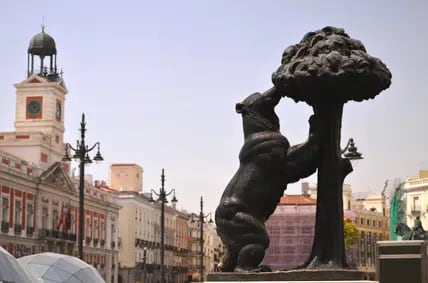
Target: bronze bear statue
[{"x": 267, "y": 165}]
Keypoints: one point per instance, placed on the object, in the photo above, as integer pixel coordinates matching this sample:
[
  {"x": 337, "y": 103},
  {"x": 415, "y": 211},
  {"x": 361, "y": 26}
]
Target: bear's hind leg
[
  {"x": 250, "y": 257},
  {"x": 254, "y": 241},
  {"x": 229, "y": 262}
]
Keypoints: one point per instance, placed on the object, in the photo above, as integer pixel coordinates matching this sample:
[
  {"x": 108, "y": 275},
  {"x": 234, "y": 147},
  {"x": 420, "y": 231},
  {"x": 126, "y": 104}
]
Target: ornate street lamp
[
  {"x": 350, "y": 151},
  {"x": 201, "y": 222},
  {"x": 162, "y": 199},
  {"x": 81, "y": 154}
]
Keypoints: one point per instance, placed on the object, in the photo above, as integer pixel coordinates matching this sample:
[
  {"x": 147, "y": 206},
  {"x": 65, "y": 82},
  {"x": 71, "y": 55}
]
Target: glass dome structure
[
  {"x": 59, "y": 268},
  {"x": 11, "y": 271}
]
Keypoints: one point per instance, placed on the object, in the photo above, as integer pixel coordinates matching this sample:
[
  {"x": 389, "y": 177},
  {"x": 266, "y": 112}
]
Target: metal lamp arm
[
  {"x": 90, "y": 149},
  {"x": 154, "y": 192},
  {"x": 346, "y": 147},
  {"x": 170, "y": 192},
  {"x": 67, "y": 146}
]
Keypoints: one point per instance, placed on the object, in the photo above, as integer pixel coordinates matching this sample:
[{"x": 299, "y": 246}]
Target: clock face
[
  {"x": 58, "y": 111},
  {"x": 34, "y": 107}
]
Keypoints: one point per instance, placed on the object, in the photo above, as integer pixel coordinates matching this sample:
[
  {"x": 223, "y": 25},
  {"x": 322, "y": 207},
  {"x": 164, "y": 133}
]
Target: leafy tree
[{"x": 351, "y": 233}]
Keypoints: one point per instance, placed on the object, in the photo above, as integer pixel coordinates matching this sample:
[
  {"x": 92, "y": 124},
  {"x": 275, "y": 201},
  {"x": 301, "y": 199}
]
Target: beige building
[
  {"x": 126, "y": 177},
  {"x": 416, "y": 198},
  {"x": 310, "y": 190},
  {"x": 370, "y": 215},
  {"x": 181, "y": 235},
  {"x": 140, "y": 230},
  {"x": 213, "y": 248},
  {"x": 39, "y": 199}
]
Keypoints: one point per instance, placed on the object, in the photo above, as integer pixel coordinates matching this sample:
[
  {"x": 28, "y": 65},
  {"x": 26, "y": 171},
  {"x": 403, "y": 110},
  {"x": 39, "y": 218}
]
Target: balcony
[
  {"x": 29, "y": 230},
  {"x": 72, "y": 237},
  {"x": 43, "y": 233},
  {"x": 17, "y": 229},
  {"x": 415, "y": 209},
  {"x": 5, "y": 226},
  {"x": 54, "y": 233},
  {"x": 63, "y": 235}
]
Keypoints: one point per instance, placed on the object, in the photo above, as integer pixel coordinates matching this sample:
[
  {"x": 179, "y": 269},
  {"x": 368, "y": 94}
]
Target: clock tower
[{"x": 39, "y": 118}]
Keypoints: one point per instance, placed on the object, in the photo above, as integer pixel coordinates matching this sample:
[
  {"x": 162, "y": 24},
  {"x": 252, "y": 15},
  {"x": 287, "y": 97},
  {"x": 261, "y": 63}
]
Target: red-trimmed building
[{"x": 38, "y": 198}]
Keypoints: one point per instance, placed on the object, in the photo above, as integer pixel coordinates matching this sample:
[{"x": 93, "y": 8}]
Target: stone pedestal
[
  {"x": 300, "y": 276},
  {"x": 402, "y": 261}
]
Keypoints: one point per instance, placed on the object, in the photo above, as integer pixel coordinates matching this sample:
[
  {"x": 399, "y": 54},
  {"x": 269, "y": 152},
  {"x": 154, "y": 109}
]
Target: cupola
[{"x": 42, "y": 45}]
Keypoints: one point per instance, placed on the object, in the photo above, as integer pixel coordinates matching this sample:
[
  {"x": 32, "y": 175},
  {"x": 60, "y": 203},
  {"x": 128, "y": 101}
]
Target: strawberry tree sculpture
[{"x": 325, "y": 70}]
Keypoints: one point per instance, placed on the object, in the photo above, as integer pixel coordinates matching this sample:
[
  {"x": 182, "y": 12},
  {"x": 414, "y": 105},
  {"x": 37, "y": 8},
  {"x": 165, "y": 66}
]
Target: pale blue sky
[{"x": 158, "y": 81}]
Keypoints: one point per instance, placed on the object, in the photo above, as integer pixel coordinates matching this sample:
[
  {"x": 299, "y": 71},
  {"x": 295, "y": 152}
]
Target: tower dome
[{"x": 42, "y": 44}]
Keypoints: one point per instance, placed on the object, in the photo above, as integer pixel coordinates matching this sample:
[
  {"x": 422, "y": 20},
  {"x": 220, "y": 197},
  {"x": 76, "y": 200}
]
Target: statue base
[{"x": 299, "y": 275}]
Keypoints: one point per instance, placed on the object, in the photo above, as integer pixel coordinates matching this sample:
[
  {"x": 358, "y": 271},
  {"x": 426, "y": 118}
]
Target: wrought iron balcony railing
[
  {"x": 5, "y": 226},
  {"x": 29, "y": 230},
  {"x": 415, "y": 209},
  {"x": 17, "y": 229}
]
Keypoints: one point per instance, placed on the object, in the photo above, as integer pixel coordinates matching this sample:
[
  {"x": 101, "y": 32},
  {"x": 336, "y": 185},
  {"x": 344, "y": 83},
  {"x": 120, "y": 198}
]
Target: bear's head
[{"x": 258, "y": 112}]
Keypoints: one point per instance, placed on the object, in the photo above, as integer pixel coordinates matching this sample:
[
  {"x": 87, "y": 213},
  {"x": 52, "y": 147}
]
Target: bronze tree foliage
[{"x": 329, "y": 65}]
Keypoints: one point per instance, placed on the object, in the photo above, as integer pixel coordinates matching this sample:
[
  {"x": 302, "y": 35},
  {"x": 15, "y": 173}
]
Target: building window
[
  {"x": 5, "y": 209},
  {"x": 29, "y": 215},
  {"x": 102, "y": 230},
  {"x": 55, "y": 220},
  {"x": 88, "y": 228},
  {"x": 362, "y": 221},
  {"x": 113, "y": 233},
  {"x": 18, "y": 217},
  {"x": 95, "y": 229},
  {"x": 71, "y": 223},
  {"x": 380, "y": 224},
  {"x": 416, "y": 205},
  {"x": 368, "y": 222},
  {"x": 44, "y": 218}
]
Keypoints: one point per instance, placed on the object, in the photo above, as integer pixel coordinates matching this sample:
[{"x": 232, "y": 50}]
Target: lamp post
[
  {"x": 144, "y": 264},
  {"x": 81, "y": 154},
  {"x": 201, "y": 237},
  {"x": 162, "y": 199},
  {"x": 138, "y": 265}
]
